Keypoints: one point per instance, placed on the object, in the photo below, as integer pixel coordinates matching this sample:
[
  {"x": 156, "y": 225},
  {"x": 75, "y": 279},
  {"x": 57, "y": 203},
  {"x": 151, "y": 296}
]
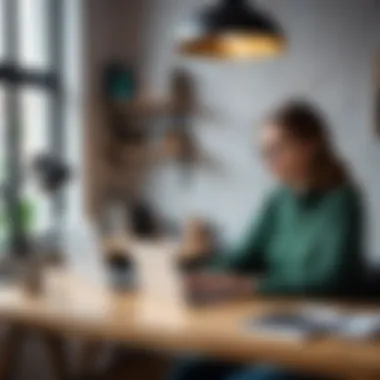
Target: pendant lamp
[{"x": 232, "y": 29}]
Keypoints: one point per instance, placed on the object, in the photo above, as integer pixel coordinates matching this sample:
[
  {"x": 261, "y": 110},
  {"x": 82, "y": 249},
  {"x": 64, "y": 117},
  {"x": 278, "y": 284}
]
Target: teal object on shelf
[{"x": 120, "y": 83}]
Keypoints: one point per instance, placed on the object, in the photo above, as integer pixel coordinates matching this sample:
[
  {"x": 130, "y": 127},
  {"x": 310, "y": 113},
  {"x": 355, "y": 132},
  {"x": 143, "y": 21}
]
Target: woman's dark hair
[{"x": 304, "y": 121}]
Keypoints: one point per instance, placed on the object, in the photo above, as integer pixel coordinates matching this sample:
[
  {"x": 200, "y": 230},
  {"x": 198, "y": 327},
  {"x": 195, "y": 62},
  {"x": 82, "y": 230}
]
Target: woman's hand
[{"x": 228, "y": 284}]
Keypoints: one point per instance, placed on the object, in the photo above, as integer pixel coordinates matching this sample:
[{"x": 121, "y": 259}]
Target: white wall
[
  {"x": 330, "y": 59},
  {"x": 74, "y": 105}
]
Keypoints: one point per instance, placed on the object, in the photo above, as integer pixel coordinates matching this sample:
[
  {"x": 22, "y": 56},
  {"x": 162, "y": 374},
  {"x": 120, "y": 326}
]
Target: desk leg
[
  {"x": 88, "y": 358},
  {"x": 56, "y": 350},
  {"x": 139, "y": 365},
  {"x": 12, "y": 344}
]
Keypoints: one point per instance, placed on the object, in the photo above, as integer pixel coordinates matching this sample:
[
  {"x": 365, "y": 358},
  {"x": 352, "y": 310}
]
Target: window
[
  {"x": 31, "y": 50},
  {"x": 33, "y": 31},
  {"x": 34, "y": 106}
]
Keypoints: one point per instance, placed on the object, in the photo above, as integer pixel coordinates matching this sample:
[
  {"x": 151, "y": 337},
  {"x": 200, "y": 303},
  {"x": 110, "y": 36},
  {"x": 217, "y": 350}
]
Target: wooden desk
[{"x": 78, "y": 309}]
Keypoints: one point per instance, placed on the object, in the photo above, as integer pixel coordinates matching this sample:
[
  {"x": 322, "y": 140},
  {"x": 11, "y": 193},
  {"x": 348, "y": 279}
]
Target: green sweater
[{"x": 306, "y": 244}]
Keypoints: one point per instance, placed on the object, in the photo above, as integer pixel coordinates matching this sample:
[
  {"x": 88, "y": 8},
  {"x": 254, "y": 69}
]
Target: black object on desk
[{"x": 143, "y": 225}]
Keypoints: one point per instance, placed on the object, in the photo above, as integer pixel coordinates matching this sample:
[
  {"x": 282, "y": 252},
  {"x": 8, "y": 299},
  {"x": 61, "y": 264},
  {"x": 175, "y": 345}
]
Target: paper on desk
[
  {"x": 162, "y": 297},
  {"x": 314, "y": 321},
  {"x": 83, "y": 252}
]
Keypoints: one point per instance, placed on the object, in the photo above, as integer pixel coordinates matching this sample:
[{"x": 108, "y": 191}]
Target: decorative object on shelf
[
  {"x": 121, "y": 88},
  {"x": 198, "y": 245},
  {"x": 143, "y": 221},
  {"x": 232, "y": 29},
  {"x": 120, "y": 82},
  {"x": 178, "y": 142},
  {"x": 129, "y": 218}
]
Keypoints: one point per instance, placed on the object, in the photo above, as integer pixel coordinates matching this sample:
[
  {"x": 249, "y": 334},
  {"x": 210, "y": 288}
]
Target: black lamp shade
[{"x": 231, "y": 30}]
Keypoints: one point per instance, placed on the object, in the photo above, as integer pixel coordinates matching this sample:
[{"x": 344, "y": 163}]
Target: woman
[{"x": 307, "y": 240}]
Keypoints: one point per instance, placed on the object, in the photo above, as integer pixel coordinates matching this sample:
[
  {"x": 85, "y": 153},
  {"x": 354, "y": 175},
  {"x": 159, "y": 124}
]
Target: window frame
[{"x": 14, "y": 76}]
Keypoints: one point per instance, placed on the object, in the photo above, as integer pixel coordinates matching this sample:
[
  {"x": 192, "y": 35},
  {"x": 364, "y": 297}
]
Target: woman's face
[{"x": 288, "y": 158}]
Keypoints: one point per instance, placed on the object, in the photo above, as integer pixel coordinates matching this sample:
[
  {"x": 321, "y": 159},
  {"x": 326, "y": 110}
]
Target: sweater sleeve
[
  {"x": 250, "y": 255},
  {"x": 338, "y": 265}
]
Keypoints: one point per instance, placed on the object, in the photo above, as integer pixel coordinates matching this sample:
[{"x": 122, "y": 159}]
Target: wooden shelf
[
  {"x": 145, "y": 107},
  {"x": 151, "y": 107}
]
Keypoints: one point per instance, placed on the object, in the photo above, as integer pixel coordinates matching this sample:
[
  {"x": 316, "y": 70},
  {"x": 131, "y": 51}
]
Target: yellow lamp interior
[{"x": 234, "y": 46}]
